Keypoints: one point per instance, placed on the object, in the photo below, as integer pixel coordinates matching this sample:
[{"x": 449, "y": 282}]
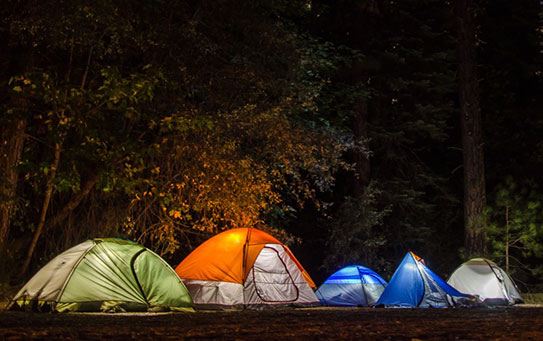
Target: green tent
[{"x": 105, "y": 275}]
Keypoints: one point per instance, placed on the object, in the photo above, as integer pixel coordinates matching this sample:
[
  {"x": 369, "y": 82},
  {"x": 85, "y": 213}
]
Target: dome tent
[
  {"x": 244, "y": 268},
  {"x": 104, "y": 275},
  {"x": 414, "y": 285},
  {"x": 353, "y": 285},
  {"x": 482, "y": 278}
]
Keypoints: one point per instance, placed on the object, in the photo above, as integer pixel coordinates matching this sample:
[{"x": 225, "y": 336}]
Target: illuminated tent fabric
[
  {"x": 245, "y": 267},
  {"x": 104, "y": 275},
  {"x": 353, "y": 285},
  {"x": 484, "y": 279},
  {"x": 415, "y": 285}
]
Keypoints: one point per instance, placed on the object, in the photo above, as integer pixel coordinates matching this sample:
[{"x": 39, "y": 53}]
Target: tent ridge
[{"x": 420, "y": 273}]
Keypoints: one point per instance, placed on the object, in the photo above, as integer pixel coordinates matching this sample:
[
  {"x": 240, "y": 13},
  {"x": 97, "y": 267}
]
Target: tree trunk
[
  {"x": 11, "y": 148},
  {"x": 74, "y": 202},
  {"x": 45, "y": 206},
  {"x": 472, "y": 140}
]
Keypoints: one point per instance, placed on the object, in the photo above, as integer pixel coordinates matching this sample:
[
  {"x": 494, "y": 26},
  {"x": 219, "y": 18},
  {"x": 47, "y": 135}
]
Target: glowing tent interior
[
  {"x": 353, "y": 285},
  {"x": 482, "y": 278}
]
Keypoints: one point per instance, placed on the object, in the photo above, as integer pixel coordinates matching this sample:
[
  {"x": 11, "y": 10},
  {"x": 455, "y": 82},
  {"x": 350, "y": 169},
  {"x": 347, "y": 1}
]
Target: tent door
[{"x": 273, "y": 282}]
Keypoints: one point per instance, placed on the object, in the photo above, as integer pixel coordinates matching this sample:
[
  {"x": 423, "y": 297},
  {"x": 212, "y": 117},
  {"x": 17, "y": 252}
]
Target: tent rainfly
[
  {"x": 414, "y": 285},
  {"x": 482, "y": 278},
  {"x": 353, "y": 285},
  {"x": 109, "y": 274},
  {"x": 244, "y": 268}
]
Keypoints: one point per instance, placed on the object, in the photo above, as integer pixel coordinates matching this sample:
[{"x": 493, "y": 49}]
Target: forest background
[{"x": 337, "y": 126}]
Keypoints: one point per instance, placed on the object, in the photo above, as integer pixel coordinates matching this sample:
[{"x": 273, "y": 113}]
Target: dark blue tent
[
  {"x": 414, "y": 285},
  {"x": 353, "y": 285}
]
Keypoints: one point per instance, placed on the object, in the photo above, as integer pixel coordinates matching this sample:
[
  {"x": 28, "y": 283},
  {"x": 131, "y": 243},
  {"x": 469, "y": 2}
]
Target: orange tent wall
[{"x": 221, "y": 257}]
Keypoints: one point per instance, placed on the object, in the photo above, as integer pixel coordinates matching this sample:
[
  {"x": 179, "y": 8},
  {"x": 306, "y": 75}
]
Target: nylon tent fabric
[
  {"x": 221, "y": 258},
  {"x": 415, "y": 285},
  {"x": 487, "y": 281},
  {"x": 104, "y": 275},
  {"x": 406, "y": 287},
  {"x": 245, "y": 267},
  {"x": 229, "y": 256},
  {"x": 351, "y": 286}
]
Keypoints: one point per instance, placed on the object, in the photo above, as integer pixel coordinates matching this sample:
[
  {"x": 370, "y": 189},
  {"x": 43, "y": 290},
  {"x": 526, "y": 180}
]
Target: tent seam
[
  {"x": 132, "y": 262},
  {"x": 500, "y": 281},
  {"x": 69, "y": 277},
  {"x": 289, "y": 275},
  {"x": 172, "y": 270}
]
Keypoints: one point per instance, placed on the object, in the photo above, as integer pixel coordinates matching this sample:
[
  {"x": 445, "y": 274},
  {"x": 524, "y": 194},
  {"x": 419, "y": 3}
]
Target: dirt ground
[{"x": 515, "y": 323}]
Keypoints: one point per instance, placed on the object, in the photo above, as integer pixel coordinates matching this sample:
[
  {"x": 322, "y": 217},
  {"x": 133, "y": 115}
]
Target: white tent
[{"x": 483, "y": 278}]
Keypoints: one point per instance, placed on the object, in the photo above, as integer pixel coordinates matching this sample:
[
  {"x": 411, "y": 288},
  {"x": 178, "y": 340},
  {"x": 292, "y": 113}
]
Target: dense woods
[{"x": 352, "y": 130}]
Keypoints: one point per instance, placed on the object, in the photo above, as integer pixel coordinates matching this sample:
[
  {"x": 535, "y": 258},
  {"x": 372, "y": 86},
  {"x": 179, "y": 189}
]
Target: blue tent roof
[
  {"x": 415, "y": 285},
  {"x": 353, "y": 285}
]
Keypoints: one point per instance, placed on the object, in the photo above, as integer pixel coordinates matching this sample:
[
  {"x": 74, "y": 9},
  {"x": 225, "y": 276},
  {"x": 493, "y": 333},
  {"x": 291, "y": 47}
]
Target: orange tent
[{"x": 244, "y": 257}]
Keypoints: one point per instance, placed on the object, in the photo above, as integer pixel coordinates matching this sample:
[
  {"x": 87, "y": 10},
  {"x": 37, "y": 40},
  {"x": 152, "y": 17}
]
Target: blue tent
[
  {"x": 414, "y": 285},
  {"x": 353, "y": 285}
]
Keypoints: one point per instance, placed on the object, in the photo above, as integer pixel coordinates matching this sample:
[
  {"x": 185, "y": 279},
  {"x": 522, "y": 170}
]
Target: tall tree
[
  {"x": 471, "y": 129},
  {"x": 399, "y": 91},
  {"x": 511, "y": 61},
  {"x": 179, "y": 113},
  {"x": 13, "y": 121},
  {"x": 11, "y": 146}
]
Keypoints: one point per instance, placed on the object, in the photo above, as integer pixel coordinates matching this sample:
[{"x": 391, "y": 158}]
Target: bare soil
[{"x": 513, "y": 323}]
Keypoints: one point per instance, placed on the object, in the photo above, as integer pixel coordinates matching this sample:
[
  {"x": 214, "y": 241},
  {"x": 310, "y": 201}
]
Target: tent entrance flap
[{"x": 272, "y": 280}]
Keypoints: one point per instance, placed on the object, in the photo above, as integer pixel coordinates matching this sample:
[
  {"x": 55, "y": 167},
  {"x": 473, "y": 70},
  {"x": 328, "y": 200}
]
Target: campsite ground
[{"x": 516, "y": 323}]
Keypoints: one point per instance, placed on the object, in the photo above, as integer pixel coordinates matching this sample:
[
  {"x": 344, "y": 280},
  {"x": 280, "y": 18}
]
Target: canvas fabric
[
  {"x": 511, "y": 288},
  {"x": 351, "y": 286},
  {"x": 276, "y": 279},
  {"x": 226, "y": 257},
  {"x": 161, "y": 285},
  {"x": 406, "y": 287},
  {"x": 484, "y": 279},
  {"x": 215, "y": 294},
  {"x": 104, "y": 275},
  {"x": 47, "y": 284},
  {"x": 434, "y": 292},
  {"x": 349, "y": 295}
]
